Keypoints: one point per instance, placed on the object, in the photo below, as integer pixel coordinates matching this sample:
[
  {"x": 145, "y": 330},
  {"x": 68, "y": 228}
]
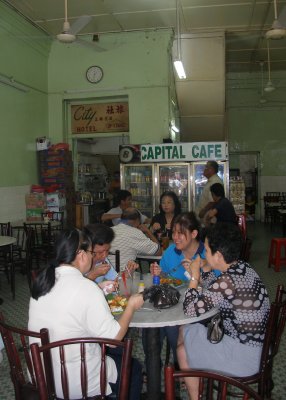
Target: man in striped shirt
[{"x": 132, "y": 238}]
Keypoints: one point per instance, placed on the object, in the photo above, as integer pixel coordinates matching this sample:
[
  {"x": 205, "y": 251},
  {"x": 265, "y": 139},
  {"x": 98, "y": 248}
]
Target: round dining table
[{"x": 153, "y": 319}]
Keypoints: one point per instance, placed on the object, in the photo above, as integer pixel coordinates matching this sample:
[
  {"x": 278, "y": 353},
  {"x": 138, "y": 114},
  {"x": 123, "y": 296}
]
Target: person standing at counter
[
  {"x": 243, "y": 302},
  {"x": 123, "y": 201},
  {"x": 69, "y": 306},
  {"x": 206, "y": 200},
  {"x": 169, "y": 207}
]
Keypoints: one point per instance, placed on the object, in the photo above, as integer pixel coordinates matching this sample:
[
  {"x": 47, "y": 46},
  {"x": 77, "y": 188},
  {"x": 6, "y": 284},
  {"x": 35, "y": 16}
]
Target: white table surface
[
  {"x": 166, "y": 317},
  {"x": 7, "y": 240}
]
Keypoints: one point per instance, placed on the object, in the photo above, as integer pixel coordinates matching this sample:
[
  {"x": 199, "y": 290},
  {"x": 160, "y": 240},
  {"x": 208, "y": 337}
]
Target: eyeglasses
[{"x": 92, "y": 252}]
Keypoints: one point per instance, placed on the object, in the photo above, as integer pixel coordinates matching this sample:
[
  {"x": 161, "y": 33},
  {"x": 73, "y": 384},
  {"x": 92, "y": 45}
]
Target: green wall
[
  {"x": 24, "y": 116},
  {"x": 256, "y": 126},
  {"x": 135, "y": 65}
]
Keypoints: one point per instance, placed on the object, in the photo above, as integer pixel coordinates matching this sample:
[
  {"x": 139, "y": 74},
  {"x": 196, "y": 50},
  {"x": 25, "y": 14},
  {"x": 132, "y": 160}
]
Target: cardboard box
[{"x": 55, "y": 200}]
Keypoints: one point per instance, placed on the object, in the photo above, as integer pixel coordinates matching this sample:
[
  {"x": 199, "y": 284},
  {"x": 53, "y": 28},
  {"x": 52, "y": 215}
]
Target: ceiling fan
[
  {"x": 278, "y": 28},
  {"x": 69, "y": 32},
  {"x": 262, "y": 99},
  {"x": 269, "y": 85}
]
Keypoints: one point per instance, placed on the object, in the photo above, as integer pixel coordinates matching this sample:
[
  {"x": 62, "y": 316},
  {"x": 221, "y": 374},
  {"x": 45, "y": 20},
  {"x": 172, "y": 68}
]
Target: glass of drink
[{"x": 165, "y": 242}]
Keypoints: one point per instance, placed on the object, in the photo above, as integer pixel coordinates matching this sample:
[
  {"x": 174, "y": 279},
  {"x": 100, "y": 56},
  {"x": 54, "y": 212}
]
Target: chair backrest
[
  {"x": 208, "y": 383},
  {"x": 5, "y": 229},
  {"x": 55, "y": 216},
  {"x": 43, "y": 374},
  {"x": 13, "y": 338},
  {"x": 116, "y": 256},
  {"x": 241, "y": 221},
  {"x": 41, "y": 237},
  {"x": 274, "y": 329}
]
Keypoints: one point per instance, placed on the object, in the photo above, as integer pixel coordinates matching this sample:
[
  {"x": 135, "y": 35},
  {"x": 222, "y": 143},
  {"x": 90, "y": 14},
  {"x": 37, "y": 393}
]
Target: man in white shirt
[
  {"x": 132, "y": 238},
  {"x": 206, "y": 200},
  {"x": 123, "y": 200}
]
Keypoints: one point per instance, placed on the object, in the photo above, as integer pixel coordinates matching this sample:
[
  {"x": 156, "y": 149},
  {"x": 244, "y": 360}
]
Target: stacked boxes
[
  {"x": 35, "y": 206},
  {"x": 56, "y": 173},
  {"x": 237, "y": 194}
]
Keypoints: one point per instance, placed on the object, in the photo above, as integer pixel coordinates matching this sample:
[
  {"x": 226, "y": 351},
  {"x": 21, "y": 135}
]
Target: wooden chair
[
  {"x": 6, "y": 256},
  {"x": 41, "y": 241},
  {"x": 20, "y": 363},
  {"x": 274, "y": 329},
  {"x": 116, "y": 256},
  {"x": 209, "y": 383},
  {"x": 45, "y": 375},
  {"x": 55, "y": 216}
]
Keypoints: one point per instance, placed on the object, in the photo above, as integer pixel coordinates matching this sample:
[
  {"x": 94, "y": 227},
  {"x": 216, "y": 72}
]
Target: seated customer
[
  {"x": 132, "y": 238},
  {"x": 187, "y": 246},
  {"x": 170, "y": 207},
  {"x": 103, "y": 271},
  {"x": 123, "y": 201},
  {"x": 222, "y": 208},
  {"x": 243, "y": 302},
  {"x": 71, "y": 306}
]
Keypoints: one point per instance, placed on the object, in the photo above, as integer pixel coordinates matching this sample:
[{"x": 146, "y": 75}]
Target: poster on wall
[{"x": 100, "y": 117}]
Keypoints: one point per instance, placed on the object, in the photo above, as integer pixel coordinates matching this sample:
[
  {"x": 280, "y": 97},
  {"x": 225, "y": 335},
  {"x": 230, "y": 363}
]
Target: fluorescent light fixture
[
  {"x": 174, "y": 128},
  {"x": 11, "y": 82},
  {"x": 178, "y": 61},
  {"x": 180, "y": 69}
]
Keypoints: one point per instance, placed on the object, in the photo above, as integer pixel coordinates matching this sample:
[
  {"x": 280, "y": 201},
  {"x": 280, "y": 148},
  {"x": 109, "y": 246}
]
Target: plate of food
[
  {"x": 117, "y": 303},
  {"x": 171, "y": 281}
]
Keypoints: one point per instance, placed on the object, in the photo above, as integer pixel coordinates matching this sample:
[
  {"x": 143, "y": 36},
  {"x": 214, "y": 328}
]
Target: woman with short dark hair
[{"x": 242, "y": 299}]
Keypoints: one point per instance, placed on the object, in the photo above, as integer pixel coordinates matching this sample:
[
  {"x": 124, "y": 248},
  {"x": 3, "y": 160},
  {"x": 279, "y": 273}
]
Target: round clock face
[
  {"x": 94, "y": 74},
  {"x": 126, "y": 154}
]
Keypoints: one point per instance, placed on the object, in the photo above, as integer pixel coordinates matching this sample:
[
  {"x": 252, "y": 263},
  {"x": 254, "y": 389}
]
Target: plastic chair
[
  {"x": 275, "y": 253},
  {"x": 274, "y": 330},
  {"x": 209, "y": 383},
  {"x": 45, "y": 375},
  {"x": 12, "y": 336}
]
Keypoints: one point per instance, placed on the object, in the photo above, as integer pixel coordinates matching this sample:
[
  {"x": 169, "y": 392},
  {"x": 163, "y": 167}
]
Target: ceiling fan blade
[
  {"x": 282, "y": 17},
  {"x": 79, "y": 24},
  {"x": 91, "y": 45}
]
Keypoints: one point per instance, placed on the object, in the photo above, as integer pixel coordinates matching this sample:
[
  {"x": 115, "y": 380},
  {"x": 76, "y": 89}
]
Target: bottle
[
  {"x": 141, "y": 287},
  {"x": 156, "y": 279}
]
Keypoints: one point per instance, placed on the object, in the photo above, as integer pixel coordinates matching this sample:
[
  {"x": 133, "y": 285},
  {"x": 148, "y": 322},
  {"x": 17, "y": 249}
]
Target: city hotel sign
[
  {"x": 184, "y": 152},
  {"x": 100, "y": 117}
]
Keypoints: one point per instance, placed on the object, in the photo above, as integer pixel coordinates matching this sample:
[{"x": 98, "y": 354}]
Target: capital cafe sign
[{"x": 184, "y": 152}]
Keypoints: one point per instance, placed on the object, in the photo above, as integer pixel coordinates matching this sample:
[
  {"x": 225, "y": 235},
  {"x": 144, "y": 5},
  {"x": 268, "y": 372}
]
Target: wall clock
[{"x": 94, "y": 74}]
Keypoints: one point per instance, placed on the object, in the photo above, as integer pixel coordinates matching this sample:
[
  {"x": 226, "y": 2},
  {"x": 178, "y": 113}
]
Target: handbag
[
  {"x": 162, "y": 296},
  {"x": 215, "y": 329}
]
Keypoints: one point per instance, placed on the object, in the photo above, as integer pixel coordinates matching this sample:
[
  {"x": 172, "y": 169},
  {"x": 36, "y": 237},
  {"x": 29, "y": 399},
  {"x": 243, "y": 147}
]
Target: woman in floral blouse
[{"x": 243, "y": 302}]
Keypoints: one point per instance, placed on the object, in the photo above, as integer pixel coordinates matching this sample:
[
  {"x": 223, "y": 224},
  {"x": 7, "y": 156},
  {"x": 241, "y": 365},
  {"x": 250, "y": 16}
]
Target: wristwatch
[{"x": 194, "y": 279}]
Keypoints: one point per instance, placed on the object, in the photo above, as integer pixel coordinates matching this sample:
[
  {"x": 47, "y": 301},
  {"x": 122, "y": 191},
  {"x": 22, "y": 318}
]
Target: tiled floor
[{"x": 16, "y": 312}]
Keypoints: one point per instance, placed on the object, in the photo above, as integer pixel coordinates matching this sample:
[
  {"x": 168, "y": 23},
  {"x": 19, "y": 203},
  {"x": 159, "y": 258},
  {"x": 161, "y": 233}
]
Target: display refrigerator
[{"x": 148, "y": 180}]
